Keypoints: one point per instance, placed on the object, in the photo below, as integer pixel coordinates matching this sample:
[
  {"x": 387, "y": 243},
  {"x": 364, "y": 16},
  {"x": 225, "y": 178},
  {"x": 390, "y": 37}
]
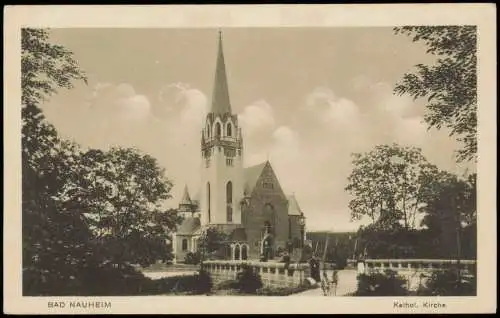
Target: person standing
[
  {"x": 314, "y": 264},
  {"x": 335, "y": 281},
  {"x": 325, "y": 284}
]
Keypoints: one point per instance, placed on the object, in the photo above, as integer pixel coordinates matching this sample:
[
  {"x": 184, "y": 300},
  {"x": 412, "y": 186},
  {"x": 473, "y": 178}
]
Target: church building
[{"x": 247, "y": 203}]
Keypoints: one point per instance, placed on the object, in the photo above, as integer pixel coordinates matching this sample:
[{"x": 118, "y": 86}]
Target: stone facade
[{"x": 268, "y": 205}]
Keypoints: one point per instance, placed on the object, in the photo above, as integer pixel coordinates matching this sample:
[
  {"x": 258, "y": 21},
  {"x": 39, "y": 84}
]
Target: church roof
[
  {"x": 220, "y": 94},
  {"x": 189, "y": 226},
  {"x": 293, "y": 206},
  {"x": 186, "y": 200},
  {"x": 251, "y": 175}
]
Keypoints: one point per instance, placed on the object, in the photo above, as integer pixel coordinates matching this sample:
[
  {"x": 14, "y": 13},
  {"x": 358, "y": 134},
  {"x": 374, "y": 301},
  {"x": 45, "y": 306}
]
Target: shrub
[
  {"x": 192, "y": 258},
  {"x": 280, "y": 251},
  {"x": 202, "y": 283},
  {"x": 227, "y": 284},
  {"x": 446, "y": 283},
  {"x": 282, "y": 291},
  {"x": 381, "y": 284},
  {"x": 248, "y": 281}
]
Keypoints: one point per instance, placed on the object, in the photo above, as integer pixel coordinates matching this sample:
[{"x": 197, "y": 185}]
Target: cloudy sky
[{"x": 307, "y": 98}]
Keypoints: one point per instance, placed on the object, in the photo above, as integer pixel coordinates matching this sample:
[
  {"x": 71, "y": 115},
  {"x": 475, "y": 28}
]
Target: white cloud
[
  {"x": 257, "y": 117},
  {"x": 323, "y": 106},
  {"x": 121, "y": 101}
]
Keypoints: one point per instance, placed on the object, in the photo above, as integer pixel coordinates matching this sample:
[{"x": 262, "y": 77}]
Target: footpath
[{"x": 347, "y": 284}]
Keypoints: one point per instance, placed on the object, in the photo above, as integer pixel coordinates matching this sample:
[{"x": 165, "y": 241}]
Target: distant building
[{"x": 246, "y": 203}]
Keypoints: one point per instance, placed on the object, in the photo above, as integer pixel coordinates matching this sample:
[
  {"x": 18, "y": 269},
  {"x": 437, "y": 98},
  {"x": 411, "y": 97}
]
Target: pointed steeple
[
  {"x": 186, "y": 200},
  {"x": 220, "y": 95}
]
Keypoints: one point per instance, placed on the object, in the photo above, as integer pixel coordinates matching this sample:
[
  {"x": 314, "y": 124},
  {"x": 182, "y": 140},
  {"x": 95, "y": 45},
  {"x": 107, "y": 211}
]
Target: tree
[
  {"x": 450, "y": 85},
  {"x": 122, "y": 202},
  {"x": 45, "y": 67},
  {"x": 449, "y": 207},
  {"x": 53, "y": 241},
  {"x": 386, "y": 185},
  {"x": 84, "y": 212},
  {"x": 212, "y": 240}
]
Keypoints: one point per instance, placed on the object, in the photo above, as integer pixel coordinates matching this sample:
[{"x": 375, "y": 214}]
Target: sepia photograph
[{"x": 329, "y": 162}]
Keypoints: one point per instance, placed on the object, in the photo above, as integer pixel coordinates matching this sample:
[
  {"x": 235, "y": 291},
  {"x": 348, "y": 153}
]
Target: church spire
[
  {"x": 186, "y": 200},
  {"x": 220, "y": 95}
]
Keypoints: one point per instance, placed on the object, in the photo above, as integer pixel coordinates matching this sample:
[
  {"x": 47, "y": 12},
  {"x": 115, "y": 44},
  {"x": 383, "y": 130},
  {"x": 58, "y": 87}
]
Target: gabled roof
[
  {"x": 251, "y": 175},
  {"x": 189, "y": 226},
  {"x": 293, "y": 206}
]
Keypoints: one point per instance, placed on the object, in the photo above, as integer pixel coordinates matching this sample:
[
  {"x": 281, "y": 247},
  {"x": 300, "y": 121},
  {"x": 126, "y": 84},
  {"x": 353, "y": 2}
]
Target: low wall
[
  {"x": 415, "y": 271},
  {"x": 272, "y": 274},
  {"x": 425, "y": 265}
]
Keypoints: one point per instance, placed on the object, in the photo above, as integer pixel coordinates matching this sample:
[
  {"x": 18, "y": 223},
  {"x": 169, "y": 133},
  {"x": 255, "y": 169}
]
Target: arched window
[
  {"x": 209, "y": 130},
  {"x": 208, "y": 201},
  {"x": 237, "y": 251},
  {"x": 217, "y": 130},
  {"x": 229, "y": 201},
  {"x": 244, "y": 252},
  {"x": 229, "y": 129},
  {"x": 184, "y": 244}
]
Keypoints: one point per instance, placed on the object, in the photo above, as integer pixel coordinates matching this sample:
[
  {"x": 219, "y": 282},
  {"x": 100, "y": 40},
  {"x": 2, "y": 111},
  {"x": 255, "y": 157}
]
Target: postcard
[{"x": 222, "y": 159}]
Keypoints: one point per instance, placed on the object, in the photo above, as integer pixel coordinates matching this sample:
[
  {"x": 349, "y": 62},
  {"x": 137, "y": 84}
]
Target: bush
[
  {"x": 202, "y": 282},
  {"x": 192, "y": 258},
  {"x": 381, "y": 284},
  {"x": 446, "y": 283},
  {"x": 227, "y": 285},
  {"x": 248, "y": 281},
  {"x": 281, "y": 291}
]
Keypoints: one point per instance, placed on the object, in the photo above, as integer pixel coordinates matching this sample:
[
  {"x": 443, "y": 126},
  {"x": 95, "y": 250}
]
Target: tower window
[
  {"x": 208, "y": 200},
  {"x": 229, "y": 129},
  {"x": 207, "y": 162},
  {"x": 229, "y": 162},
  {"x": 217, "y": 130},
  {"x": 229, "y": 201}
]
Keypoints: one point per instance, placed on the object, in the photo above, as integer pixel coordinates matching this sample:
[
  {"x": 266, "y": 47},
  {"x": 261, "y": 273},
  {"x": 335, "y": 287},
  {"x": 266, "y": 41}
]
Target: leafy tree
[
  {"x": 450, "y": 85},
  {"x": 386, "y": 185},
  {"x": 45, "y": 67},
  {"x": 450, "y": 206},
  {"x": 84, "y": 212},
  {"x": 53, "y": 240},
  {"x": 122, "y": 192},
  {"x": 212, "y": 240}
]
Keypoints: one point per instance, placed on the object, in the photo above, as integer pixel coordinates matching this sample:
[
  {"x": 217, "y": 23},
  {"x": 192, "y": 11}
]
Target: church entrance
[{"x": 266, "y": 246}]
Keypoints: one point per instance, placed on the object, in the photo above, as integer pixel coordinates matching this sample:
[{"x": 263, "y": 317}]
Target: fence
[{"x": 272, "y": 274}]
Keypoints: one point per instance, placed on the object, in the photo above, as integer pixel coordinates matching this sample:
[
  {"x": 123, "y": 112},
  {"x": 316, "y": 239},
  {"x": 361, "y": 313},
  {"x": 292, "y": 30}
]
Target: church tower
[{"x": 221, "y": 149}]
